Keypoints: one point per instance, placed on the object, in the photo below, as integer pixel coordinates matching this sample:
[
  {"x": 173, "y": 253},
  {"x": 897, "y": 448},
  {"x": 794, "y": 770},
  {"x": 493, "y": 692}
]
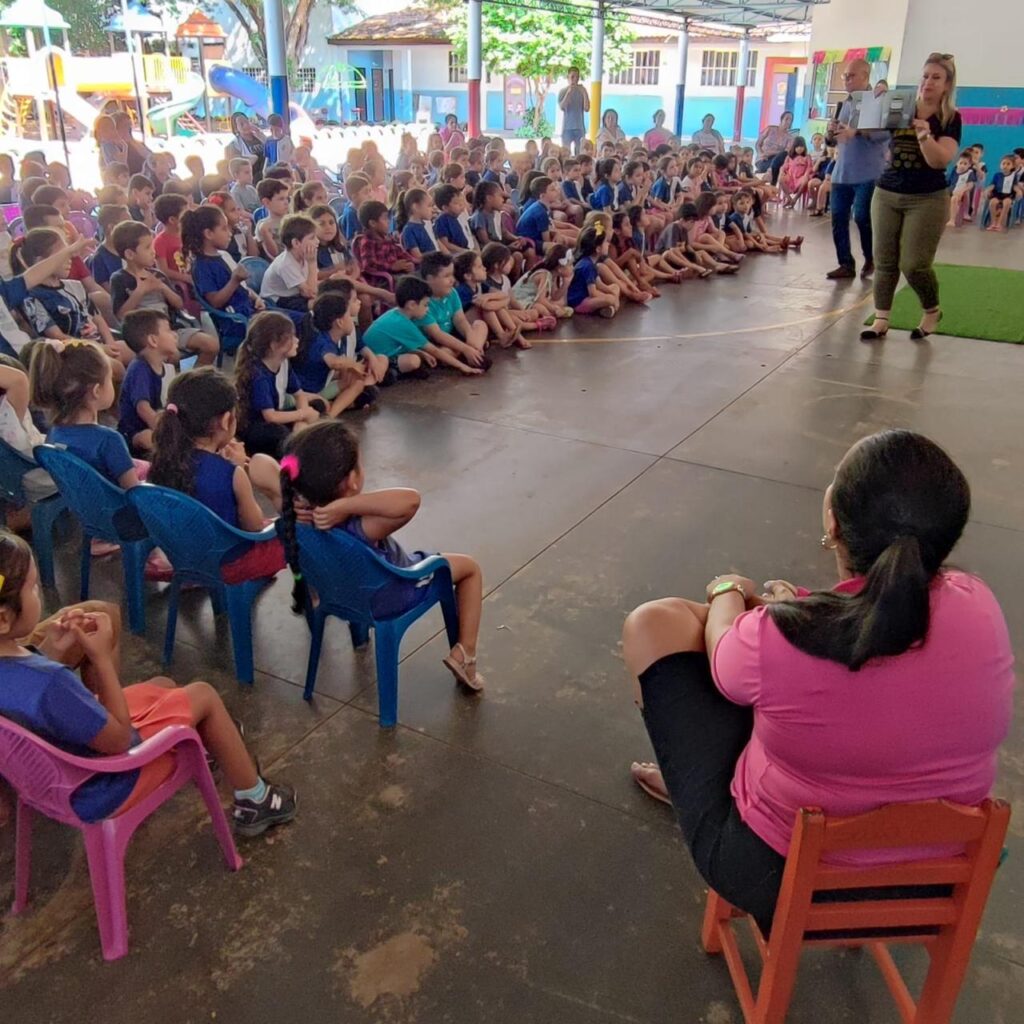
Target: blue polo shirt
[
  {"x": 140, "y": 384},
  {"x": 51, "y": 701},
  {"x": 102, "y": 447},
  {"x": 415, "y": 236},
  {"x": 571, "y": 191},
  {"x": 603, "y": 197},
  {"x": 662, "y": 190},
  {"x": 263, "y": 390},
  {"x": 104, "y": 264},
  {"x": 448, "y": 227},
  {"x": 210, "y": 274},
  {"x": 12, "y": 337},
  {"x": 583, "y": 276},
  {"x": 624, "y": 194},
  {"x": 534, "y": 221},
  {"x": 310, "y": 367},
  {"x": 349, "y": 223}
]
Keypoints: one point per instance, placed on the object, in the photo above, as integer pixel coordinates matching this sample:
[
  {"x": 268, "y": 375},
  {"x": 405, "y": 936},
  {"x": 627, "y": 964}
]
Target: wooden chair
[{"x": 945, "y": 925}]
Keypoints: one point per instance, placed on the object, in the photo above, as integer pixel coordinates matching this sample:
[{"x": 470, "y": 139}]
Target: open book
[{"x": 886, "y": 113}]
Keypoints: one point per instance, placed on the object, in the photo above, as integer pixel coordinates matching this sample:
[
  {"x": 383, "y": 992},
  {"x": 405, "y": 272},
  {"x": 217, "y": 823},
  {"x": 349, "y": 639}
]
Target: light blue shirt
[{"x": 862, "y": 159}]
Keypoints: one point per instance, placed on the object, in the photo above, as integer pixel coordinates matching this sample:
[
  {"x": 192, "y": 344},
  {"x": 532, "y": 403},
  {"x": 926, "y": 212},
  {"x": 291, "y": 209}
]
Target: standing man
[
  {"x": 860, "y": 159},
  {"x": 574, "y": 103}
]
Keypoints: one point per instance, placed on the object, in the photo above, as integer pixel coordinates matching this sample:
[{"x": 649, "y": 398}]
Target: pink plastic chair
[
  {"x": 85, "y": 225},
  {"x": 44, "y": 779}
]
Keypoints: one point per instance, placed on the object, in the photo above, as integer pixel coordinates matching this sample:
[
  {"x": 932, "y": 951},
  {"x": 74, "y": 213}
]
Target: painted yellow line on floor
[{"x": 833, "y": 313}]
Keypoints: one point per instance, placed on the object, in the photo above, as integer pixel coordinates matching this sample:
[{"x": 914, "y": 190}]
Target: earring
[{"x": 827, "y": 542}]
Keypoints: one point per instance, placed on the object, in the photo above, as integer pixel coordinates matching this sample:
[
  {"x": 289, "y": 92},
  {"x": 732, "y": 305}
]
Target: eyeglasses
[{"x": 933, "y": 57}]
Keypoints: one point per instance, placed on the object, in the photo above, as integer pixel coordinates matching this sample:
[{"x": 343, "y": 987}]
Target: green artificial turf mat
[{"x": 977, "y": 302}]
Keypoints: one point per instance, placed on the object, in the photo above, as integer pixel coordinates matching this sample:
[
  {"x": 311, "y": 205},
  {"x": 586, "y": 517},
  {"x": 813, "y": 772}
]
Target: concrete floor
[{"x": 490, "y": 860}]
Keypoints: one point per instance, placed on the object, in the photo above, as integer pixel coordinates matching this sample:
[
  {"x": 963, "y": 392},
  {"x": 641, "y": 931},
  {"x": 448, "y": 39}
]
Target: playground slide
[
  {"x": 184, "y": 99},
  {"x": 78, "y": 107},
  {"x": 245, "y": 88}
]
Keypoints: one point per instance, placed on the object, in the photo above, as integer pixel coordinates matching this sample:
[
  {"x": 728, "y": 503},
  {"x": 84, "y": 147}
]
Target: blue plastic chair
[
  {"x": 198, "y": 543},
  {"x": 231, "y": 328},
  {"x": 346, "y": 575},
  {"x": 104, "y": 511},
  {"x": 45, "y": 513},
  {"x": 337, "y": 204},
  {"x": 257, "y": 267}
]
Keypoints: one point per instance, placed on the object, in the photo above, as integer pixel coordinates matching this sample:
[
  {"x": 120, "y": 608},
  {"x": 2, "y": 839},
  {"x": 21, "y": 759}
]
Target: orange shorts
[{"x": 153, "y": 707}]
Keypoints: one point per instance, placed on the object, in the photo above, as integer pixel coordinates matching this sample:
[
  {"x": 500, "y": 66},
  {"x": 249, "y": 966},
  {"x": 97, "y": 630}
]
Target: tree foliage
[
  {"x": 539, "y": 44},
  {"x": 87, "y": 20}
]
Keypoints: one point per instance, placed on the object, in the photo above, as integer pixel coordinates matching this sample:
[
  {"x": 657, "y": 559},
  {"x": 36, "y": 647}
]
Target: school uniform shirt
[
  {"x": 210, "y": 274},
  {"x": 502, "y": 285},
  {"x": 471, "y": 240},
  {"x": 51, "y": 701},
  {"x": 489, "y": 222},
  {"x": 394, "y": 333},
  {"x": 135, "y": 212},
  {"x": 327, "y": 257},
  {"x": 584, "y": 274},
  {"x": 466, "y": 294},
  {"x": 213, "y": 483},
  {"x": 349, "y": 223},
  {"x": 283, "y": 277},
  {"x": 311, "y": 369},
  {"x": 12, "y": 338},
  {"x": 473, "y": 178},
  {"x": 674, "y": 235},
  {"x": 141, "y": 384},
  {"x": 624, "y": 194},
  {"x": 1002, "y": 185},
  {"x": 496, "y": 176},
  {"x": 418, "y": 236},
  {"x": 533, "y": 222},
  {"x": 662, "y": 190},
  {"x": 65, "y": 306},
  {"x": 960, "y": 181},
  {"x": 450, "y": 228},
  {"x": 571, "y": 191},
  {"x": 101, "y": 447},
  {"x": 268, "y": 389},
  {"x": 603, "y": 197},
  {"x": 104, "y": 264},
  {"x": 743, "y": 221}
]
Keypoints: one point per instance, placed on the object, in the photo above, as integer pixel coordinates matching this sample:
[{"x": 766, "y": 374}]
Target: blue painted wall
[{"x": 998, "y": 140}]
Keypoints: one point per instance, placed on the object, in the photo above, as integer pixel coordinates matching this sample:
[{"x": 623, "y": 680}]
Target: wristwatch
[{"x": 726, "y": 587}]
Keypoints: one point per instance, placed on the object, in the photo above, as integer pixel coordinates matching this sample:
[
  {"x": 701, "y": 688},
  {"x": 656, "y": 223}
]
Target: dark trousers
[
  {"x": 856, "y": 199},
  {"x": 266, "y": 439}
]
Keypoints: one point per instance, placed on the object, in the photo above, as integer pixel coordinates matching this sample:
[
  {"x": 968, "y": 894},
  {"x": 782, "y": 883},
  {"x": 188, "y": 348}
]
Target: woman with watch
[
  {"x": 844, "y": 699},
  {"x": 911, "y": 204}
]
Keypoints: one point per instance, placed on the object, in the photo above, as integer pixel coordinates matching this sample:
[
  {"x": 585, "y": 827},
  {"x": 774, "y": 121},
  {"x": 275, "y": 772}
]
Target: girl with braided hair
[{"x": 322, "y": 484}]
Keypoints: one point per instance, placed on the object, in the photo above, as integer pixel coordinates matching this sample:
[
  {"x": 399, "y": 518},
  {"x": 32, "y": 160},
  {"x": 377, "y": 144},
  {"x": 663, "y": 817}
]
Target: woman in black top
[{"x": 910, "y": 205}]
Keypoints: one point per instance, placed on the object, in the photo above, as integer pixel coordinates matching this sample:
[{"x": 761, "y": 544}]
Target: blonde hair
[{"x": 947, "y": 105}]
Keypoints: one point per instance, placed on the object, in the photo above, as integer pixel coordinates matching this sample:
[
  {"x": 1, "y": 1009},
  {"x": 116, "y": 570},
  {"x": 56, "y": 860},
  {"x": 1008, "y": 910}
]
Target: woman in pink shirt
[{"x": 895, "y": 686}]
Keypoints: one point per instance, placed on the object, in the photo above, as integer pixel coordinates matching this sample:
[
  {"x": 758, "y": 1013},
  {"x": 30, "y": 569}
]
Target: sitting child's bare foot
[
  {"x": 649, "y": 778},
  {"x": 463, "y": 667},
  {"x": 521, "y": 342}
]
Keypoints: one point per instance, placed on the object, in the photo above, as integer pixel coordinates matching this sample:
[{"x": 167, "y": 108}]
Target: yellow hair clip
[
  {"x": 3, "y": 580},
  {"x": 599, "y": 229},
  {"x": 72, "y": 342}
]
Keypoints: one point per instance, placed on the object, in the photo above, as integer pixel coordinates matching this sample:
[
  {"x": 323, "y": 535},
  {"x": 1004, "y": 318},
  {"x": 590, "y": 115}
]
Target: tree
[
  {"x": 87, "y": 33},
  {"x": 539, "y": 44},
  {"x": 296, "y": 24}
]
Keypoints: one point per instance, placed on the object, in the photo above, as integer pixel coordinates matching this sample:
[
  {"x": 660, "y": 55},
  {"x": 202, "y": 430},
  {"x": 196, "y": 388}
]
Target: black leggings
[
  {"x": 266, "y": 439},
  {"x": 698, "y": 737}
]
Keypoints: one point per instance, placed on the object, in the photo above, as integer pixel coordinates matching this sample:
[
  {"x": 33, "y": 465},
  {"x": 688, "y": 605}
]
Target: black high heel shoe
[
  {"x": 872, "y": 333},
  {"x": 919, "y": 333}
]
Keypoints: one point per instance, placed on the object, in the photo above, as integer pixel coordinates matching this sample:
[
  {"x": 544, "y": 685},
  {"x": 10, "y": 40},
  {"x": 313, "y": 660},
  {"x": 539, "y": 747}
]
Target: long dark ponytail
[
  {"x": 195, "y": 400},
  {"x": 265, "y": 330},
  {"x": 194, "y": 225},
  {"x": 314, "y": 467},
  {"x": 406, "y": 201},
  {"x": 900, "y": 503}
]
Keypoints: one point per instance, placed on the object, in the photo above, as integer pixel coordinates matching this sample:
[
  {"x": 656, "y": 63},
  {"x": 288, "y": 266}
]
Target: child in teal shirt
[{"x": 446, "y": 325}]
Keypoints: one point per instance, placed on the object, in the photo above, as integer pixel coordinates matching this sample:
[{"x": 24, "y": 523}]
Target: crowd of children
[{"x": 969, "y": 195}]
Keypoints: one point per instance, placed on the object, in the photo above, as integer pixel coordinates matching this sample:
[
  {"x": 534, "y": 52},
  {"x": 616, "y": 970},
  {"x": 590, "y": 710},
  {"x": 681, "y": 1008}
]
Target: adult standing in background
[
  {"x": 138, "y": 152},
  {"x": 773, "y": 146},
  {"x": 248, "y": 141},
  {"x": 911, "y": 204},
  {"x": 709, "y": 137},
  {"x": 860, "y": 159},
  {"x": 574, "y": 103}
]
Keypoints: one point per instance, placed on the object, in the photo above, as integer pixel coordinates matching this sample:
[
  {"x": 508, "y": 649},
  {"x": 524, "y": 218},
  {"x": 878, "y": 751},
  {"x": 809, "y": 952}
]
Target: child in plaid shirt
[{"x": 374, "y": 248}]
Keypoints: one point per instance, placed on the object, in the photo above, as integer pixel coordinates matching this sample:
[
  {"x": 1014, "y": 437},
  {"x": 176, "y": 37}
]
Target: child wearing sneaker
[{"x": 96, "y": 716}]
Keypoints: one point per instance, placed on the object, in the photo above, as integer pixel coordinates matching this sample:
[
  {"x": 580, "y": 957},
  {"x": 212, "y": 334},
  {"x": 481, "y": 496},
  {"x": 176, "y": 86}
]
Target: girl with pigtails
[{"x": 322, "y": 485}]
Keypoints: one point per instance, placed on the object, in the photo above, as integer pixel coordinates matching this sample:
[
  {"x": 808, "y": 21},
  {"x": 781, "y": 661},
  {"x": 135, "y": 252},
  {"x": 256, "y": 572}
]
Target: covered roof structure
[{"x": 762, "y": 14}]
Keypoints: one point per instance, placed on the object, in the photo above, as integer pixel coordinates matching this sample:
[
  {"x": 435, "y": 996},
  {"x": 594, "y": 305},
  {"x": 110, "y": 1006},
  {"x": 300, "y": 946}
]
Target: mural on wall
[
  {"x": 515, "y": 102},
  {"x": 827, "y": 89}
]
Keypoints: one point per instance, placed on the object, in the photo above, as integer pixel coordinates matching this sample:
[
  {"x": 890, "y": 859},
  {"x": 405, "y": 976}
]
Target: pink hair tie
[
  {"x": 171, "y": 407},
  {"x": 290, "y": 467}
]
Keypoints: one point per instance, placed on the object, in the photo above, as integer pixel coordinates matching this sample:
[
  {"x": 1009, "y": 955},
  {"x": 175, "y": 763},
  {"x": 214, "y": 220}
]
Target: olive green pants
[{"x": 907, "y": 230}]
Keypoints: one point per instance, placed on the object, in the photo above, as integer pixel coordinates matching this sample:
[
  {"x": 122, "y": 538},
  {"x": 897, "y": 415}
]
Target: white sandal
[{"x": 459, "y": 670}]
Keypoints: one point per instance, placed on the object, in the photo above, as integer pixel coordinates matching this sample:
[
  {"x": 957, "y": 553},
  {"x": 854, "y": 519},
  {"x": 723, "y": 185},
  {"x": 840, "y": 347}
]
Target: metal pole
[
  {"x": 206, "y": 85},
  {"x": 55, "y": 85},
  {"x": 474, "y": 64},
  {"x": 741, "y": 85},
  {"x": 135, "y": 71},
  {"x": 277, "y": 61},
  {"x": 682, "y": 55},
  {"x": 596, "y": 69}
]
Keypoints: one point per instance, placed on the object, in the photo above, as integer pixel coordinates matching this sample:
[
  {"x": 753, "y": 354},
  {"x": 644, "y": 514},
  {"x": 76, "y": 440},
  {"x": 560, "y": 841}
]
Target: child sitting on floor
[
  {"x": 265, "y": 380},
  {"x": 322, "y": 479},
  {"x": 446, "y": 325},
  {"x": 491, "y": 307},
  {"x": 94, "y": 715},
  {"x": 397, "y": 335},
  {"x": 498, "y": 263},
  {"x": 544, "y": 288},
  {"x": 587, "y": 292}
]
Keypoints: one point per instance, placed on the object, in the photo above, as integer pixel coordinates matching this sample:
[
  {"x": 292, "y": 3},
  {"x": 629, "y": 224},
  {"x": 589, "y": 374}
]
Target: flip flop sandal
[
  {"x": 458, "y": 669},
  {"x": 638, "y": 770},
  {"x": 546, "y": 323}
]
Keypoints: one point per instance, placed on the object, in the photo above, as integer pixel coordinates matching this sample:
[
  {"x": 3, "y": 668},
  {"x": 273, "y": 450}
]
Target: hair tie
[
  {"x": 170, "y": 407},
  {"x": 290, "y": 467},
  {"x": 215, "y": 200}
]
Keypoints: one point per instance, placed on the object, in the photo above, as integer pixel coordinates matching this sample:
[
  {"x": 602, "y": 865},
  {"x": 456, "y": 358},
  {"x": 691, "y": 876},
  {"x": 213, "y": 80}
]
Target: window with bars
[
  {"x": 304, "y": 80},
  {"x": 645, "y": 69},
  {"x": 260, "y": 74},
  {"x": 720, "y": 67},
  {"x": 457, "y": 72}
]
